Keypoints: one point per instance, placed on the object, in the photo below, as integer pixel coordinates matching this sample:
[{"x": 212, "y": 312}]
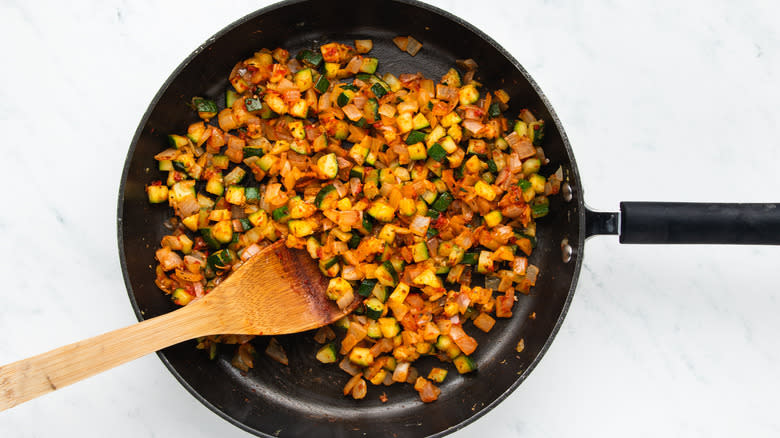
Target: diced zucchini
[
  {"x": 400, "y": 293},
  {"x": 380, "y": 292},
  {"x": 540, "y": 207},
  {"x": 281, "y": 214},
  {"x": 374, "y": 308},
  {"x": 537, "y": 183},
  {"x": 326, "y": 197},
  {"x": 178, "y": 141},
  {"x": 369, "y": 65},
  {"x": 358, "y": 153},
  {"x": 387, "y": 233},
  {"x": 420, "y": 121},
  {"x": 437, "y": 374},
  {"x": 470, "y": 258},
  {"x": 337, "y": 288},
  {"x": 342, "y": 323},
  {"x": 301, "y": 227},
  {"x": 252, "y": 195},
  {"x": 322, "y": 84},
  {"x": 366, "y": 287},
  {"x": 181, "y": 297},
  {"x": 258, "y": 218},
  {"x": 309, "y": 58},
  {"x": 415, "y": 137},
  {"x": 361, "y": 356},
  {"x": 429, "y": 196},
  {"x": 303, "y": 79},
  {"x": 332, "y": 70},
  {"x": 446, "y": 345},
  {"x": 484, "y": 190},
  {"x": 468, "y": 94},
  {"x": 246, "y": 225},
  {"x": 448, "y": 144},
  {"x": 300, "y": 109},
  {"x": 222, "y": 161},
  {"x": 297, "y": 130},
  {"x": 209, "y": 239},
  {"x": 450, "y": 119},
  {"x": 157, "y": 193},
  {"x": 345, "y": 97},
  {"x": 451, "y": 78},
  {"x": 195, "y": 132},
  {"x": 442, "y": 201},
  {"x": 373, "y": 330},
  {"x": 236, "y": 195},
  {"x": 327, "y": 354},
  {"x": 485, "y": 263},
  {"x": 330, "y": 267},
  {"x": 381, "y": 211},
  {"x": 417, "y": 151},
  {"x": 371, "y": 109},
  {"x": 328, "y": 165},
  {"x": 437, "y": 134},
  {"x": 165, "y": 165},
  {"x": 420, "y": 252},
  {"x": 386, "y": 274},
  {"x": 531, "y": 166},
  {"x": 494, "y": 110},
  {"x": 253, "y": 104},
  {"x": 389, "y": 327},
  {"x": 222, "y": 231},
  {"x": 407, "y": 207},
  {"x": 428, "y": 278},
  {"x": 378, "y": 90},
  {"x": 405, "y": 122},
  {"x": 536, "y": 131},
  {"x": 230, "y": 97},
  {"x": 358, "y": 172},
  {"x": 206, "y": 108},
  {"x": 235, "y": 176},
  {"x": 191, "y": 222},
  {"x": 464, "y": 364},
  {"x": 437, "y": 152},
  {"x": 493, "y": 218}
]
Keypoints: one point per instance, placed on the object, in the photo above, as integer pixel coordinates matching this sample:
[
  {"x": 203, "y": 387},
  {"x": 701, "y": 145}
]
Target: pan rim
[{"x": 574, "y": 177}]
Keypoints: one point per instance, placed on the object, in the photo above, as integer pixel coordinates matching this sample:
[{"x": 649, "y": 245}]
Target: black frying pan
[{"x": 304, "y": 399}]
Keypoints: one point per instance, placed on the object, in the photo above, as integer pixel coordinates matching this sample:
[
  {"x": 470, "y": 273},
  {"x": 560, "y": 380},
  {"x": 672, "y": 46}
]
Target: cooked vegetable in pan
[{"x": 405, "y": 188}]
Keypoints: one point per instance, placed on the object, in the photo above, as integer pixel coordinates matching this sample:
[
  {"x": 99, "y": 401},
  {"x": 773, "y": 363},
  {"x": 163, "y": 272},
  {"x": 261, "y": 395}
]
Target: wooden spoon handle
[{"x": 38, "y": 375}]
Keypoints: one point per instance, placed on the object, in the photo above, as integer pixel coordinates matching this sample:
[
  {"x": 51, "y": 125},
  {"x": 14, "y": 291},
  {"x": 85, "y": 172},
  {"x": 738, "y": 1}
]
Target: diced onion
[
  {"x": 419, "y": 225},
  {"x": 473, "y": 126},
  {"x": 276, "y": 352},
  {"x": 413, "y": 46}
]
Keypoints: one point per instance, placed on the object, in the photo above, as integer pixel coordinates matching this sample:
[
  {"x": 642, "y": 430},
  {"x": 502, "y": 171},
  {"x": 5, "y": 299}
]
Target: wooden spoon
[{"x": 278, "y": 291}]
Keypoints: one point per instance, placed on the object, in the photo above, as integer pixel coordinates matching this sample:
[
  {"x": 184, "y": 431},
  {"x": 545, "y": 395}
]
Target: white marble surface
[{"x": 661, "y": 100}]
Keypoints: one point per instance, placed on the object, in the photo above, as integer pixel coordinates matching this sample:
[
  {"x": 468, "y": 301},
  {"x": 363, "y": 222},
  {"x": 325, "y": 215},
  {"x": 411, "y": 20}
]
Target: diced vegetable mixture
[{"x": 403, "y": 187}]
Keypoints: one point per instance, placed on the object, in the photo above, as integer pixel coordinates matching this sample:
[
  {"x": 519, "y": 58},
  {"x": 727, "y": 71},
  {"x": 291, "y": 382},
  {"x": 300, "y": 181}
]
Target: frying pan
[{"x": 303, "y": 399}]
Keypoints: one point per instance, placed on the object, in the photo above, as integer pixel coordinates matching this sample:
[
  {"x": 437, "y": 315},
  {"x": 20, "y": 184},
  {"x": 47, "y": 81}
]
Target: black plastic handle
[{"x": 683, "y": 222}]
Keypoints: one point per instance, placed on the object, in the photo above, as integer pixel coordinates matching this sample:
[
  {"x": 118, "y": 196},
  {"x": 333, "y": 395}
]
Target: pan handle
[{"x": 684, "y": 222}]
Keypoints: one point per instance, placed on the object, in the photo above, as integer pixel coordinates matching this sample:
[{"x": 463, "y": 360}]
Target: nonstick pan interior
[{"x": 304, "y": 399}]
